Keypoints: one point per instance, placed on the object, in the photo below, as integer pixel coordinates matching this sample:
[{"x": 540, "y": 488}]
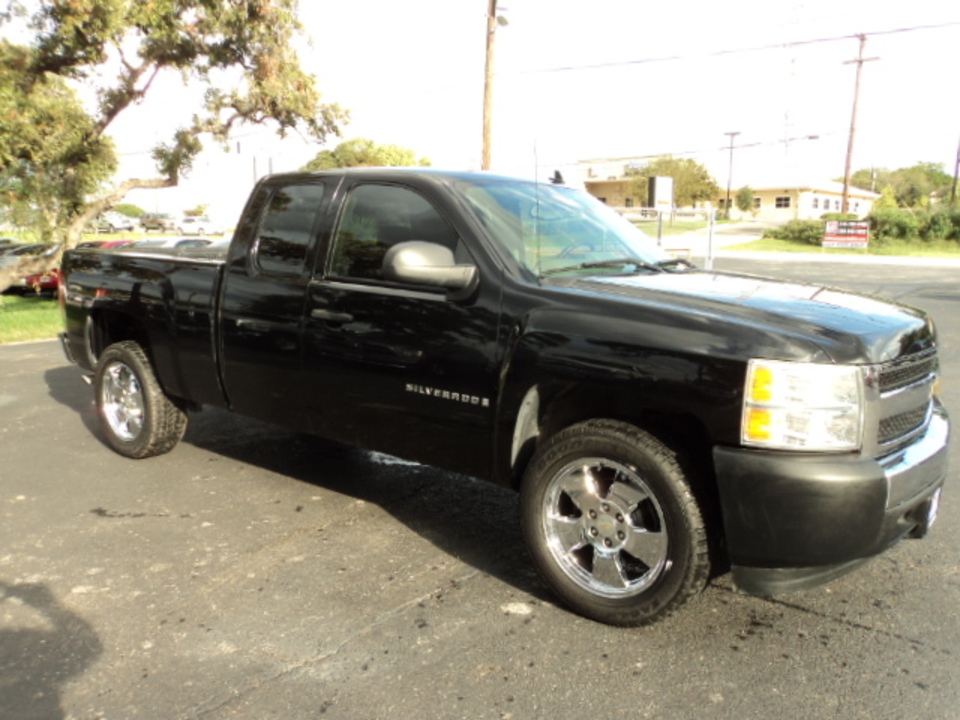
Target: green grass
[
  {"x": 677, "y": 227},
  {"x": 30, "y": 317}
]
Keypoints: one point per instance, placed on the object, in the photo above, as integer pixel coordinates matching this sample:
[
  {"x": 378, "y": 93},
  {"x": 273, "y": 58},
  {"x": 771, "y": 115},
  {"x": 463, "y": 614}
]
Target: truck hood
[{"x": 848, "y": 327}]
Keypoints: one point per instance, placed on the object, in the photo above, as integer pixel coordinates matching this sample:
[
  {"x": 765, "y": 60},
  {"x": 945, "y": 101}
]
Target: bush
[
  {"x": 839, "y": 216},
  {"x": 894, "y": 224},
  {"x": 935, "y": 226},
  {"x": 804, "y": 231}
]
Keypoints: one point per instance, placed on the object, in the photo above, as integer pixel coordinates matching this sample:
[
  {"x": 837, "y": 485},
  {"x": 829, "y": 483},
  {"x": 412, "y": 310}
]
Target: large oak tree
[{"x": 56, "y": 155}]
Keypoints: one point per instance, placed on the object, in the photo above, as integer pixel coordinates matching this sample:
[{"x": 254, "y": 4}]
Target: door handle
[
  {"x": 254, "y": 325},
  {"x": 330, "y": 315}
]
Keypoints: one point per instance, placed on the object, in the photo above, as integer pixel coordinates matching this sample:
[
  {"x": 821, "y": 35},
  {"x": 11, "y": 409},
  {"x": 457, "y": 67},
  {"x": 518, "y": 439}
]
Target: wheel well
[
  {"x": 683, "y": 434},
  {"x": 107, "y": 327}
]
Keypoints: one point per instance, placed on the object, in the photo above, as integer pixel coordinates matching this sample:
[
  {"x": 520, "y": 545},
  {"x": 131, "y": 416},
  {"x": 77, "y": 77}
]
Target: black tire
[
  {"x": 612, "y": 525},
  {"x": 138, "y": 419}
]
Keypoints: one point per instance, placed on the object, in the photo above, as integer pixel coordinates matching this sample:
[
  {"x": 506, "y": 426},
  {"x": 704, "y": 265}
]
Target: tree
[
  {"x": 130, "y": 210},
  {"x": 916, "y": 186},
  {"x": 692, "y": 182},
  {"x": 361, "y": 152},
  {"x": 886, "y": 201},
  {"x": 744, "y": 199},
  {"x": 49, "y": 159},
  {"x": 240, "y": 51}
]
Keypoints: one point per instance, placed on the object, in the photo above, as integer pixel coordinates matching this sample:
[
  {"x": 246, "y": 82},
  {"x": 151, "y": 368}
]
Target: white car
[
  {"x": 111, "y": 222},
  {"x": 198, "y": 225}
]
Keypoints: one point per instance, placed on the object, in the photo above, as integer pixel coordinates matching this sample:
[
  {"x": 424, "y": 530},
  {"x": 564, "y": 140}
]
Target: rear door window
[{"x": 286, "y": 229}]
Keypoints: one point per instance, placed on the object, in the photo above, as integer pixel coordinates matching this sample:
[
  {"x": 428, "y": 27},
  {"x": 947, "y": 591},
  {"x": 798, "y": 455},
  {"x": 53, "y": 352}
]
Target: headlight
[{"x": 802, "y": 406}]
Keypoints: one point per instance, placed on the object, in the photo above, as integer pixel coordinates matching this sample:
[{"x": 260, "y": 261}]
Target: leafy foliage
[
  {"x": 803, "y": 231},
  {"x": 744, "y": 199},
  {"x": 912, "y": 225},
  {"x": 50, "y": 158},
  {"x": 912, "y": 187},
  {"x": 692, "y": 182},
  {"x": 361, "y": 152},
  {"x": 130, "y": 210},
  {"x": 55, "y": 156}
]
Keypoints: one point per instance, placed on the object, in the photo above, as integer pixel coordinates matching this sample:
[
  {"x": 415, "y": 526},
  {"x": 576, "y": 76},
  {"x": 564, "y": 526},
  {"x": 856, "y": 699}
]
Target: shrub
[
  {"x": 805, "y": 231},
  {"x": 935, "y": 226},
  {"x": 896, "y": 224},
  {"x": 839, "y": 216}
]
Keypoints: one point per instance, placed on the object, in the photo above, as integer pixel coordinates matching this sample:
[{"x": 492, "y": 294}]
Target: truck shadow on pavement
[
  {"x": 65, "y": 385},
  {"x": 42, "y": 646},
  {"x": 472, "y": 520}
]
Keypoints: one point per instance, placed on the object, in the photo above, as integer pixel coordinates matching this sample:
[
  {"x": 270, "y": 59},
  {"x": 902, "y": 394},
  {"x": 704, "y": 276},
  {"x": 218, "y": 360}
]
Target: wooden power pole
[
  {"x": 488, "y": 84},
  {"x": 860, "y": 60}
]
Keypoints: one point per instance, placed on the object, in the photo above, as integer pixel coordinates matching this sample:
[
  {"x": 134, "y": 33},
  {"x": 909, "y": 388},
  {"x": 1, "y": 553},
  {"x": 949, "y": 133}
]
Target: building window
[
  {"x": 628, "y": 202},
  {"x": 756, "y": 203},
  {"x": 836, "y": 205},
  {"x": 816, "y": 203},
  {"x": 782, "y": 202}
]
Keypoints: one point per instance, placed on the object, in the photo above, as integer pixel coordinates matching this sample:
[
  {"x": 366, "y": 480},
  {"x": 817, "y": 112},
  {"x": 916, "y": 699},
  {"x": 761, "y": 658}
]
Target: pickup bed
[{"x": 662, "y": 424}]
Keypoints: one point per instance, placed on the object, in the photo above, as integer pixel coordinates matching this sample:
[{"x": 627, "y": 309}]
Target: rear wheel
[
  {"x": 612, "y": 525},
  {"x": 138, "y": 419}
]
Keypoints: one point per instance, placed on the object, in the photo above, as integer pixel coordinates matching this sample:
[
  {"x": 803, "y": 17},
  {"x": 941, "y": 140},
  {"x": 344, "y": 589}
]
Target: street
[{"x": 256, "y": 573}]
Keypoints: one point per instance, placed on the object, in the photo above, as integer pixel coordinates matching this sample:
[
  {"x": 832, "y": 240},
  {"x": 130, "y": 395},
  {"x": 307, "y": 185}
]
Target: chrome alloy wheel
[
  {"x": 605, "y": 528},
  {"x": 122, "y": 401}
]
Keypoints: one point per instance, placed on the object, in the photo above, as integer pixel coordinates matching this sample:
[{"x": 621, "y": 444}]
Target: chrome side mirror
[{"x": 424, "y": 263}]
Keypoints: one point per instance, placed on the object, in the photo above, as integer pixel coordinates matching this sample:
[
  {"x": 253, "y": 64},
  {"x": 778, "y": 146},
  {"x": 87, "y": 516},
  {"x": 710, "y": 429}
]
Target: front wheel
[
  {"x": 612, "y": 525},
  {"x": 138, "y": 419}
]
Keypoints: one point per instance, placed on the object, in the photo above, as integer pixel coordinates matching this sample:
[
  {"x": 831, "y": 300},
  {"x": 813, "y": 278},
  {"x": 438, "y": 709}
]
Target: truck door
[
  {"x": 262, "y": 300},
  {"x": 405, "y": 369}
]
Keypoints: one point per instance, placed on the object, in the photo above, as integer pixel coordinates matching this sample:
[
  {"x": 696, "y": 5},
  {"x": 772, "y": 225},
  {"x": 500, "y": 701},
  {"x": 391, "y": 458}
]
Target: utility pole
[
  {"x": 488, "y": 84},
  {"x": 860, "y": 60},
  {"x": 956, "y": 172},
  {"x": 730, "y": 172}
]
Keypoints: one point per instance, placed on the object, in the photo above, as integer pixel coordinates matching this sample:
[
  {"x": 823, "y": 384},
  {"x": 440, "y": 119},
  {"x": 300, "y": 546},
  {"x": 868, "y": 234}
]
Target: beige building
[
  {"x": 610, "y": 180},
  {"x": 802, "y": 202}
]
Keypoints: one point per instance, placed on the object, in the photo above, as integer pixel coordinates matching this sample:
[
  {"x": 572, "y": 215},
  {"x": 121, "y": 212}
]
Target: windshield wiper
[
  {"x": 676, "y": 262},
  {"x": 619, "y": 262}
]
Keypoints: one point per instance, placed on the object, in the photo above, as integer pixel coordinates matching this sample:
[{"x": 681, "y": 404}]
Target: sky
[{"x": 604, "y": 79}]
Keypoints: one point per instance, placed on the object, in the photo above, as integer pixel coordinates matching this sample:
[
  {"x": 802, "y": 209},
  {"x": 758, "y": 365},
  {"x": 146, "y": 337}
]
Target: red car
[{"x": 49, "y": 280}]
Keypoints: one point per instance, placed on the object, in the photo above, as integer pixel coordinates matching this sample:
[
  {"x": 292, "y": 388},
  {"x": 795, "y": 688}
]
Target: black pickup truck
[{"x": 663, "y": 424}]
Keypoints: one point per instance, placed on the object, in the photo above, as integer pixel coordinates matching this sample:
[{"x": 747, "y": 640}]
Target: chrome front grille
[
  {"x": 907, "y": 371},
  {"x": 905, "y": 399},
  {"x": 902, "y": 424}
]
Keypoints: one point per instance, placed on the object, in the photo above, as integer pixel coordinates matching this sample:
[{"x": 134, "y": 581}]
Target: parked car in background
[
  {"x": 190, "y": 241},
  {"x": 158, "y": 221},
  {"x": 198, "y": 225},
  {"x": 111, "y": 222},
  {"x": 49, "y": 280},
  {"x": 105, "y": 244}
]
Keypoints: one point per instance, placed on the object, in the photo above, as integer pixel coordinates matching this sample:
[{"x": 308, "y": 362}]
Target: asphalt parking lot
[{"x": 255, "y": 573}]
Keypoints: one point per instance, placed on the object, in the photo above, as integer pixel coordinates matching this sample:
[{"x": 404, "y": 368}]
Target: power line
[{"x": 732, "y": 51}]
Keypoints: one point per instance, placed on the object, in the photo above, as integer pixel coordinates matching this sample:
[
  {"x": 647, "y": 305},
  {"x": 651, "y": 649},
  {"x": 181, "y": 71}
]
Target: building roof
[{"x": 824, "y": 186}]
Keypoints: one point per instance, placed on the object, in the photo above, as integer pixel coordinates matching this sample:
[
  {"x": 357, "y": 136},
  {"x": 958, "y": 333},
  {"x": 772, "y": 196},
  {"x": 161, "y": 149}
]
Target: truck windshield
[{"x": 551, "y": 229}]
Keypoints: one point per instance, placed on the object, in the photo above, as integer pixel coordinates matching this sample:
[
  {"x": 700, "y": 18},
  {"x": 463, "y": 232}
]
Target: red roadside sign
[{"x": 846, "y": 234}]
